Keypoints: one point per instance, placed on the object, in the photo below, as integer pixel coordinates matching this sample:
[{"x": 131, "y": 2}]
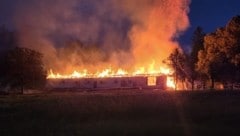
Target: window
[{"x": 152, "y": 81}]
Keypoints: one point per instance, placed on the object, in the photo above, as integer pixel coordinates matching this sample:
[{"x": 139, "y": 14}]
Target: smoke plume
[{"x": 79, "y": 34}]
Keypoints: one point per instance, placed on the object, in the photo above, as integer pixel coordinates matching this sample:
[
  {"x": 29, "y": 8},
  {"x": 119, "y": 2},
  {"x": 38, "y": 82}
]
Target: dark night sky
[{"x": 209, "y": 14}]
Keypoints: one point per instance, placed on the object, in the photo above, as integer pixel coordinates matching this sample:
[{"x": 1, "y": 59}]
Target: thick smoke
[{"x": 101, "y": 33}]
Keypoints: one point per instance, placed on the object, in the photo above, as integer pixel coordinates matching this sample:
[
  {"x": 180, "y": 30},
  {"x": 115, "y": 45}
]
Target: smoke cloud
[{"x": 92, "y": 34}]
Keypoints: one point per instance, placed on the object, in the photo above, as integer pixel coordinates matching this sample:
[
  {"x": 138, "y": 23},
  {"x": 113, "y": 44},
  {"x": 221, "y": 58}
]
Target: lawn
[{"x": 121, "y": 113}]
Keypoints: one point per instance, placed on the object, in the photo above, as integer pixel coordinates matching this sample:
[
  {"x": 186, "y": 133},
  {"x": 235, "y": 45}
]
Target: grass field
[{"x": 121, "y": 113}]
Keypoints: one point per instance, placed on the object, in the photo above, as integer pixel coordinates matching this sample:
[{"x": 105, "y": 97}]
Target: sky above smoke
[{"x": 89, "y": 33}]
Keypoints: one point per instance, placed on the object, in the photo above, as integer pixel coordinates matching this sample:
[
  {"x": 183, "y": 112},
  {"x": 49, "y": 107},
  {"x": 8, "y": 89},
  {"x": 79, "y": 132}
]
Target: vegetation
[
  {"x": 121, "y": 113},
  {"x": 197, "y": 45},
  {"x": 19, "y": 67},
  {"x": 23, "y": 68},
  {"x": 214, "y": 56},
  {"x": 219, "y": 59},
  {"x": 177, "y": 60}
]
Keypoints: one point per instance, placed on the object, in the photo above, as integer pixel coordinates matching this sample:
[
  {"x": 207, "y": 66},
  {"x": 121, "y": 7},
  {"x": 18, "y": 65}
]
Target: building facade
[{"x": 137, "y": 82}]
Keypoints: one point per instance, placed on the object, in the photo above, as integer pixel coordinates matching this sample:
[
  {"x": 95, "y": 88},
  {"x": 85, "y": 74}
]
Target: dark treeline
[
  {"x": 215, "y": 57},
  {"x": 20, "y": 68}
]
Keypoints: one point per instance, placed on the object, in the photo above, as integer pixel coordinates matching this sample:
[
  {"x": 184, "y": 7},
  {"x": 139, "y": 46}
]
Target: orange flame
[
  {"x": 109, "y": 72},
  {"x": 170, "y": 82}
]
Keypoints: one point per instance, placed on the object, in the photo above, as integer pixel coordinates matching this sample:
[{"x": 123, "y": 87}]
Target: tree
[
  {"x": 233, "y": 48},
  {"x": 197, "y": 45},
  {"x": 220, "y": 58},
  {"x": 24, "y": 69},
  {"x": 177, "y": 60}
]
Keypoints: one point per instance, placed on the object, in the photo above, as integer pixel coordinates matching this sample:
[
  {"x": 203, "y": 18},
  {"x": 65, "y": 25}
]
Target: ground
[{"x": 121, "y": 113}]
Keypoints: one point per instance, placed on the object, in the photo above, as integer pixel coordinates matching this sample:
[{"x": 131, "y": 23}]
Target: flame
[
  {"x": 170, "y": 82},
  {"x": 110, "y": 72}
]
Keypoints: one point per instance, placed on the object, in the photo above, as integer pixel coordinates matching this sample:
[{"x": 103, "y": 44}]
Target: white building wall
[{"x": 105, "y": 83}]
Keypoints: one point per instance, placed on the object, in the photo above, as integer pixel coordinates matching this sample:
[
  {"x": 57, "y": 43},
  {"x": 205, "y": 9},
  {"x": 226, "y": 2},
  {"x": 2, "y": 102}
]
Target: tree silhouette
[
  {"x": 220, "y": 58},
  {"x": 24, "y": 69},
  {"x": 177, "y": 60},
  {"x": 197, "y": 45}
]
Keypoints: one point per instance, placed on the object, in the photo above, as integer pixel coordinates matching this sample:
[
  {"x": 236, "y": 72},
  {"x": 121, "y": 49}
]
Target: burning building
[
  {"x": 109, "y": 79},
  {"x": 92, "y": 35},
  {"x": 136, "y": 82}
]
